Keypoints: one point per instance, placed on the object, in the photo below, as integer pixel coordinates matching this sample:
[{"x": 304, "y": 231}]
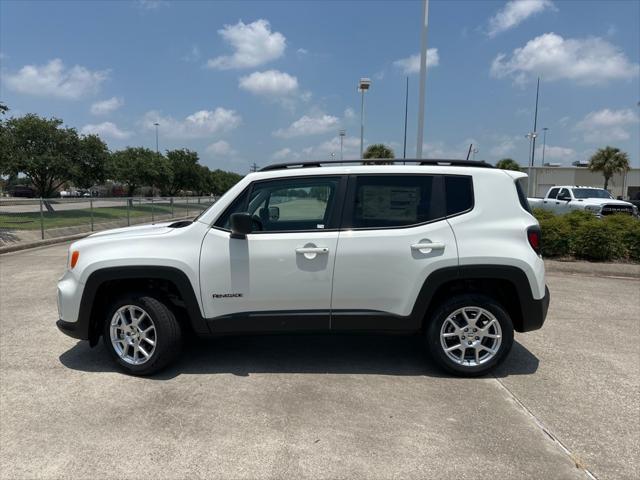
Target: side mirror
[
  {"x": 274, "y": 213},
  {"x": 241, "y": 224}
]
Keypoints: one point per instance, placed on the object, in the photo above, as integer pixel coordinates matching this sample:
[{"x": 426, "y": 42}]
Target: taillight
[{"x": 534, "y": 237}]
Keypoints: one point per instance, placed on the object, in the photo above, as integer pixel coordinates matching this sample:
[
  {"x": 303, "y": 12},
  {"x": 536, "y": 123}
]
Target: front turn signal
[{"x": 74, "y": 258}]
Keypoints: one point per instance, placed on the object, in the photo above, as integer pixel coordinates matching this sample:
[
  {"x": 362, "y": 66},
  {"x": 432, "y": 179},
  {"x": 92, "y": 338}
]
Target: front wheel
[
  {"x": 141, "y": 334},
  {"x": 469, "y": 335}
]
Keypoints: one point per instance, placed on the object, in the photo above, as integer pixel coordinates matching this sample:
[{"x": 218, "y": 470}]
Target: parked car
[
  {"x": 564, "y": 199},
  {"x": 448, "y": 250},
  {"x": 21, "y": 191}
]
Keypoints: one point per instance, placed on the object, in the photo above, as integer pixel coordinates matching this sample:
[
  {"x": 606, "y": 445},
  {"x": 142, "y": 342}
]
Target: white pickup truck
[{"x": 564, "y": 199}]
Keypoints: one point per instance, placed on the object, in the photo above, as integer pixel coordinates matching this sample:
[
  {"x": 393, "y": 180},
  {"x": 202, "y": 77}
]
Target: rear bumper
[{"x": 535, "y": 312}]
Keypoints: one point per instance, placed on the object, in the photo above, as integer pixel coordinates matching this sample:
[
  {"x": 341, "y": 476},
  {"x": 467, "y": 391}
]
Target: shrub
[
  {"x": 556, "y": 237},
  {"x": 582, "y": 235},
  {"x": 597, "y": 240}
]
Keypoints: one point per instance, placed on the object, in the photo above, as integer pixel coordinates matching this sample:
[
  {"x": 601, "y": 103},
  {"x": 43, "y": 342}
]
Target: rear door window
[{"x": 385, "y": 201}]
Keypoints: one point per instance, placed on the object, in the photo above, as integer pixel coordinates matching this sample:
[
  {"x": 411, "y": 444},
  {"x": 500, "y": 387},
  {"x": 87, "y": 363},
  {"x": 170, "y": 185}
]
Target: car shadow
[{"x": 333, "y": 354}]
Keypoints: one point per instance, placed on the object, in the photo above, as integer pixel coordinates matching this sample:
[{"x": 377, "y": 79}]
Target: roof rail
[{"x": 373, "y": 161}]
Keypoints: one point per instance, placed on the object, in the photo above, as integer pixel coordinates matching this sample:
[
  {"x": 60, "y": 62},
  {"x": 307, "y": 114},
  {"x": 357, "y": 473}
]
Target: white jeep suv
[{"x": 448, "y": 249}]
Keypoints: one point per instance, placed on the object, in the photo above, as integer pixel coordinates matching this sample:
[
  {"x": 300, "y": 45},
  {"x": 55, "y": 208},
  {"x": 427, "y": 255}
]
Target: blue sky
[{"x": 273, "y": 81}]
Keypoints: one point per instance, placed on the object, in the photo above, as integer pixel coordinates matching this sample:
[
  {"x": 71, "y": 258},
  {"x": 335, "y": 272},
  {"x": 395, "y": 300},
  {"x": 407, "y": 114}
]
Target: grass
[{"x": 74, "y": 218}]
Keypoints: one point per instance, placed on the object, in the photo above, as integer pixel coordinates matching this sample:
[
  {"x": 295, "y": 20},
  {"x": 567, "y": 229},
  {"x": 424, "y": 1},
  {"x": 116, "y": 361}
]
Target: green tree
[
  {"x": 609, "y": 161},
  {"x": 185, "y": 171},
  {"x": 377, "y": 151},
  {"x": 508, "y": 164},
  {"x": 91, "y": 166},
  {"x": 135, "y": 167},
  {"x": 3, "y": 108},
  {"x": 223, "y": 181},
  {"x": 41, "y": 149}
]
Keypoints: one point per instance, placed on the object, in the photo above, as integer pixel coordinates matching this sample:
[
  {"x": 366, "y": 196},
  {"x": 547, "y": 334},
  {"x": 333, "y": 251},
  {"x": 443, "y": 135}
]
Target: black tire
[
  {"x": 434, "y": 344},
  {"x": 168, "y": 334}
]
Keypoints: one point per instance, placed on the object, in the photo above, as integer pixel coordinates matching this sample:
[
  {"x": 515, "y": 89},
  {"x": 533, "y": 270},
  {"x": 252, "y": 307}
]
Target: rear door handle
[{"x": 421, "y": 247}]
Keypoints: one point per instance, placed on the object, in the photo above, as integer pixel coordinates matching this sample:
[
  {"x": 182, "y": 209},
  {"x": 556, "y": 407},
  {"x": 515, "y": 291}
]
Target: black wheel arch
[
  {"x": 103, "y": 284},
  {"x": 508, "y": 285}
]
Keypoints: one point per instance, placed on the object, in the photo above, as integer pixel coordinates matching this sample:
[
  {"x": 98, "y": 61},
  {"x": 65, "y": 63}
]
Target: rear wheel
[
  {"x": 141, "y": 334},
  {"x": 469, "y": 335}
]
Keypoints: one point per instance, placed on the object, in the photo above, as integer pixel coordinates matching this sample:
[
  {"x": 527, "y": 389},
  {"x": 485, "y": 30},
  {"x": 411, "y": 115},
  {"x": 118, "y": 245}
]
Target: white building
[{"x": 543, "y": 178}]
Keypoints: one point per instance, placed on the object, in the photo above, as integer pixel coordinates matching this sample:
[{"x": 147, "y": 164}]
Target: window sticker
[{"x": 384, "y": 202}]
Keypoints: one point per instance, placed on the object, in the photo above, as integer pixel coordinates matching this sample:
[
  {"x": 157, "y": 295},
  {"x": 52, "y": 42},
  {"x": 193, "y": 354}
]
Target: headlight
[{"x": 593, "y": 208}]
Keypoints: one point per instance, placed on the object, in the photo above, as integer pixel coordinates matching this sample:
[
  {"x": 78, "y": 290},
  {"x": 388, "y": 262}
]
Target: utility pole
[
  {"x": 342, "y": 134},
  {"x": 253, "y": 167},
  {"x": 406, "y": 111},
  {"x": 544, "y": 143},
  {"x": 423, "y": 76}
]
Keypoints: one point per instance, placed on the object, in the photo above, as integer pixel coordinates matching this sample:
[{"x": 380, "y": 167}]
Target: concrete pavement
[{"x": 320, "y": 406}]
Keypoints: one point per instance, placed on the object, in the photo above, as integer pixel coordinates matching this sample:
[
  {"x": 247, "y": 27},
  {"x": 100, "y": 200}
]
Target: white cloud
[
  {"x": 201, "y": 124},
  {"x": 254, "y": 44},
  {"x": 302, "y": 51},
  {"x": 559, "y": 154},
  {"x": 54, "y": 80},
  {"x": 152, "y": 4},
  {"x": 193, "y": 55},
  {"x": 270, "y": 82},
  {"x": 106, "y": 106},
  {"x": 412, "y": 64},
  {"x": 309, "y": 125},
  {"x": 220, "y": 148},
  {"x": 504, "y": 147},
  {"x": 349, "y": 113},
  {"x": 607, "y": 125},
  {"x": 587, "y": 61},
  {"x": 351, "y": 149},
  {"x": 515, "y": 12},
  {"x": 281, "y": 154},
  {"x": 105, "y": 129}
]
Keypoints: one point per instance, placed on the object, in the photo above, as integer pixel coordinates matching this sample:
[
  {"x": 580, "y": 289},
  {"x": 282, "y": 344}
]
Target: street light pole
[
  {"x": 423, "y": 76},
  {"x": 535, "y": 124},
  {"x": 544, "y": 142},
  {"x": 363, "y": 86},
  {"x": 532, "y": 143},
  {"x": 157, "y": 149},
  {"x": 342, "y": 134},
  {"x": 406, "y": 111}
]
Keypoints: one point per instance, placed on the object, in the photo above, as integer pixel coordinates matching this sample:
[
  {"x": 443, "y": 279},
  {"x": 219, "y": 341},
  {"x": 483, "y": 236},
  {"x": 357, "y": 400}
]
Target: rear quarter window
[
  {"x": 521, "y": 196},
  {"x": 459, "y": 194}
]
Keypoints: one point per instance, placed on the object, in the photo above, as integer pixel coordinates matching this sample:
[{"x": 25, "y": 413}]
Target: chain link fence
[{"x": 28, "y": 220}]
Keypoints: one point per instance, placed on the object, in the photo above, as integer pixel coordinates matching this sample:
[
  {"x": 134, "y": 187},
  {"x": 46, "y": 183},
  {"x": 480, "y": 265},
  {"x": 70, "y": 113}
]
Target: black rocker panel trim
[{"x": 88, "y": 319}]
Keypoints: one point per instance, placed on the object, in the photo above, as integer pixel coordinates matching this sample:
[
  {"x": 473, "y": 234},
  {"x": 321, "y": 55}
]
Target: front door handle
[
  {"x": 311, "y": 252},
  {"x": 427, "y": 247}
]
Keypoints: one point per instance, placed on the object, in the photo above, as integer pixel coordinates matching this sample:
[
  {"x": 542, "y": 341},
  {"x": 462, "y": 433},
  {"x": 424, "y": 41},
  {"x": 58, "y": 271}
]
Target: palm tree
[
  {"x": 609, "y": 161},
  {"x": 376, "y": 151},
  {"x": 508, "y": 164}
]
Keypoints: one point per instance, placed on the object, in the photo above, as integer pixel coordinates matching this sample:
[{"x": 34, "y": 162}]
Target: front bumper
[
  {"x": 534, "y": 312},
  {"x": 71, "y": 329}
]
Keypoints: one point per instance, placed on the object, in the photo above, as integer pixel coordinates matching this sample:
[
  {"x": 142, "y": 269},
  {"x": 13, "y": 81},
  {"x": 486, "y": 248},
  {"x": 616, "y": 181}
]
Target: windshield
[{"x": 591, "y": 193}]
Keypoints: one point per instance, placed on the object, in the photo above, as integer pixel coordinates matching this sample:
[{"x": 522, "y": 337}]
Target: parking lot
[{"x": 565, "y": 404}]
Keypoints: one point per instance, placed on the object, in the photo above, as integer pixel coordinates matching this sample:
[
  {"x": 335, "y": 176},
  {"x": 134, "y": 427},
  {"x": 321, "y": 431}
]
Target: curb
[
  {"x": 42, "y": 243},
  {"x": 67, "y": 238},
  {"x": 594, "y": 269}
]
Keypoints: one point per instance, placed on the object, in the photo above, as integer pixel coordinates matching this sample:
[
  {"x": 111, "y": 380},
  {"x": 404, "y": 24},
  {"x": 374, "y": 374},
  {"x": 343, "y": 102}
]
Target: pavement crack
[{"x": 577, "y": 461}]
